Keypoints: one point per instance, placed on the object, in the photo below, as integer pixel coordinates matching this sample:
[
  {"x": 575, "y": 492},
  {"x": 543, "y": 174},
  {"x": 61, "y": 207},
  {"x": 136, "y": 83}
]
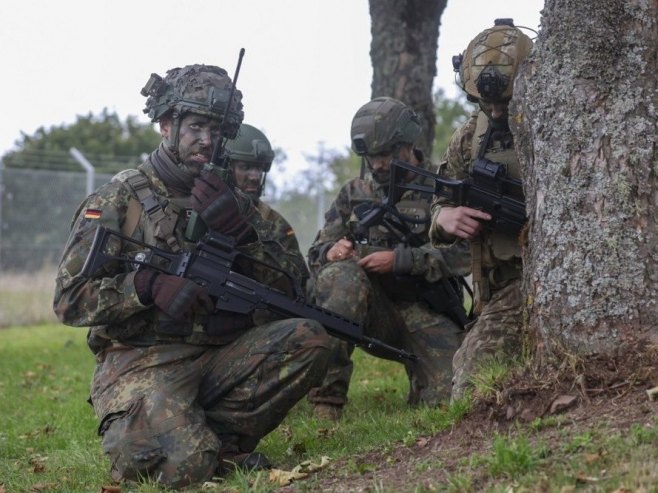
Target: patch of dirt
[{"x": 587, "y": 394}]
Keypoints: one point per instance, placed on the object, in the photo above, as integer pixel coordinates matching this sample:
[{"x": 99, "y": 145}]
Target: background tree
[
  {"x": 585, "y": 119},
  {"x": 109, "y": 143},
  {"x": 405, "y": 37},
  {"x": 450, "y": 114}
]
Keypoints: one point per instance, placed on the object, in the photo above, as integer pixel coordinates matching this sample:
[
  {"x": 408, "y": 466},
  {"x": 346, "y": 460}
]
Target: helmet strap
[
  {"x": 174, "y": 134},
  {"x": 261, "y": 187}
]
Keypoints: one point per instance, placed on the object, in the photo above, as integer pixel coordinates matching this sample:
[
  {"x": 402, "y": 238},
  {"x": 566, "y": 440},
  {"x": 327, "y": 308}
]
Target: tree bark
[
  {"x": 584, "y": 116},
  {"x": 405, "y": 37}
]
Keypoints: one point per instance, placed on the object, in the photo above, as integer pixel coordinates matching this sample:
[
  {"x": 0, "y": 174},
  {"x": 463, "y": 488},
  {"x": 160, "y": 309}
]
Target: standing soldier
[
  {"x": 182, "y": 391},
  {"x": 393, "y": 286},
  {"x": 486, "y": 71}
]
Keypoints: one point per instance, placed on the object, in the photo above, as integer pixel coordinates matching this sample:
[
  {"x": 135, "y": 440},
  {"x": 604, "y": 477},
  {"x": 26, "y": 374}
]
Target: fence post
[{"x": 89, "y": 169}]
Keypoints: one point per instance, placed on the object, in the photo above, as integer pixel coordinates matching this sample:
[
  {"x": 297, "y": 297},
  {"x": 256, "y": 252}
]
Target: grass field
[
  {"x": 48, "y": 440},
  {"x": 27, "y": 298}
]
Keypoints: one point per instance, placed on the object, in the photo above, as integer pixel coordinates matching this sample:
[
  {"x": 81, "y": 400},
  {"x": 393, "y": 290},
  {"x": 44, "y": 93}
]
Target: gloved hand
[
  {"x": 217, "y": 205},
  {"x": 176, "y": 296}
]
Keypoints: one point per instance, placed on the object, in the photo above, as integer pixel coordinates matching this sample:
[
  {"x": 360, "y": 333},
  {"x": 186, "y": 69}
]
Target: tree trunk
[
  {"x": 584, "y": 117},
  {"x": 405, "y": 37}
]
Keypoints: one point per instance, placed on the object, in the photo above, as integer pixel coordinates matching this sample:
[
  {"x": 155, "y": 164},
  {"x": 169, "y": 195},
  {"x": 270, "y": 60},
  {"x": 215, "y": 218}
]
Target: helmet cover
[
  {"x": 491, "y": 61},
  {"x": 201, "y": 89},
  {"x": 382, "y": 124}
]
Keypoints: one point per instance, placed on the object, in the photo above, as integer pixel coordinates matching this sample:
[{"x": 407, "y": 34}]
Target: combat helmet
[
  {"x": 382, "y": 124},
  {"x": 201, "y": 89},
  {"x": 252, "y": 146},
  {"x": 488, "y": 66}
]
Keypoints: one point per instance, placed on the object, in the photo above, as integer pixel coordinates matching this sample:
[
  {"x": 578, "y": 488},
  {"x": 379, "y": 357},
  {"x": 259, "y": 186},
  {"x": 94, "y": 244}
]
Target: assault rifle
[
  {"x": 446, "y": 295},
  {"x": 488, "y": 188},
  {"x": 212, "y": 265}
]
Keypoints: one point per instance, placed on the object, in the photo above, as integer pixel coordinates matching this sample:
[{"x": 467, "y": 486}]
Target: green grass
[
  {"x": 48, "y": 438},
  {"x": 27, "y": 298}
]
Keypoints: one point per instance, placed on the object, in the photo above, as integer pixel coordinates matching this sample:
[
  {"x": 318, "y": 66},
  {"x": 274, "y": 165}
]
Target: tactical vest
[
  {"x": 160, "y": 225},
  {"x": 160, "y": 221},
  {"x": 495, "y": 257}
]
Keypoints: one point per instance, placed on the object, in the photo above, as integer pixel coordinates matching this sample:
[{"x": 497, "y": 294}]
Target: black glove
[
  {"x": 217, "y": 205},
  {"x": 176, "y": 296}
]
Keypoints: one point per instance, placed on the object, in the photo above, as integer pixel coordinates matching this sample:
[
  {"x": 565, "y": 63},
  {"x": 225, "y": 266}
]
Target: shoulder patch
[{"x": 93, "y": 214}]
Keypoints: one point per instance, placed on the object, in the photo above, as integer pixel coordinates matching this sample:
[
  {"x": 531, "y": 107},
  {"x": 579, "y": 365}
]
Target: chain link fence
[
  {"x": 35, "y": 215},
  {"x": 37, "y": 205}
]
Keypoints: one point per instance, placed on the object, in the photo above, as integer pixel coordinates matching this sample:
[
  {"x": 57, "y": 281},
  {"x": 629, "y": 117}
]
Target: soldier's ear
[{"x": 165, "y": 127}]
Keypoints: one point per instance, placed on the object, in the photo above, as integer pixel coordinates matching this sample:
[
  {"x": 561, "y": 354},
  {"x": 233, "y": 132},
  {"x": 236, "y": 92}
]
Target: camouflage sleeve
[
  {"x": 284, "y": 235},
  {"x": 455, "y": 165},
  {"x": 109, "y": 297},
  {"x": 275, "y": 265},
  {"x": 433, "y": 263},
  {"x": 335, "y": 227}
]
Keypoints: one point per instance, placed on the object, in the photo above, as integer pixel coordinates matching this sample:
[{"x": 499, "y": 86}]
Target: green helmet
[
  {"x": 252, "y": 146},
  {"x": 382, "y": 124},
  {"x": 491, "y": 61},
  {"x": 201, "y": 89}
]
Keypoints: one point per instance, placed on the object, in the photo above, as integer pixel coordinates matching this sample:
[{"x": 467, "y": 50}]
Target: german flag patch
[{"x": 93, "y": 214}]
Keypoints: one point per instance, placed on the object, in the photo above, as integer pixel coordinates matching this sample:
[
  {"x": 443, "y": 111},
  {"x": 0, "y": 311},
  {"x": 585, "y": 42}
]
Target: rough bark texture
[
  {"x": 584, "y": 116},
  {"x": 405, "y": 37}
]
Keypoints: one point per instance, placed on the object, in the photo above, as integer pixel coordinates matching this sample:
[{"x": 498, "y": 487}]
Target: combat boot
[
  {"x": 330, "y": 412},
  {"x": 249, "y": 461}
]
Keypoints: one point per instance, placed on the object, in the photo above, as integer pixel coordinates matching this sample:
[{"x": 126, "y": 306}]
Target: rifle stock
[{"x": 211, "y": 265}]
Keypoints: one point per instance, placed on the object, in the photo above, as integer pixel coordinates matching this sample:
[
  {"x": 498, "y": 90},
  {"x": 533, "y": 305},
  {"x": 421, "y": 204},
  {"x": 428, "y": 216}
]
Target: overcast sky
[{"x": 306, "y": 69}]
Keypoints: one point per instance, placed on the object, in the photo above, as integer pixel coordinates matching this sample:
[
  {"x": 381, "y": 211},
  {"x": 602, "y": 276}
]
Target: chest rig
[
  {"x": 495, "y": 257},
  {"x": 162, "y": 214}
]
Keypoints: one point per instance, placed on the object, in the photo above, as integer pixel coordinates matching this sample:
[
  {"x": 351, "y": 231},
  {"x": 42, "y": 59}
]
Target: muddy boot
[{"x": 330, "y": 412}]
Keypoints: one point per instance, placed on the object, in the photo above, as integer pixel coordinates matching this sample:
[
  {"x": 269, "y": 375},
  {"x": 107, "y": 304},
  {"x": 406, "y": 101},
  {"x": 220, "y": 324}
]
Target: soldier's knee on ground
[
  {"x": 141, "y": 457},
  {"x": 178, "y": 451}
]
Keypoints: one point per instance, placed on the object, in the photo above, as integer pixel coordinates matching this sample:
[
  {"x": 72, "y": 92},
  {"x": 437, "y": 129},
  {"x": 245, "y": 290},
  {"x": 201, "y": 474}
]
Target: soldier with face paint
[
  {"x": 182, "y": 391},
  {"x": 487, "y": 69},
  {"x": 250, "y": 159}
]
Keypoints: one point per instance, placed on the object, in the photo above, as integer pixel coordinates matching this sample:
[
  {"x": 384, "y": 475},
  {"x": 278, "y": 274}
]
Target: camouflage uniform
[
  {"x": 277, "y": 234},
  {"x": 497, "y": 331},
  {"x": 252, "y": 148},
  {"x": 276, "y": 229},
  {"x": 169, "y": 406},
  {"x": 388, "y": 305},
  {"x": 487, "y": 69}
]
